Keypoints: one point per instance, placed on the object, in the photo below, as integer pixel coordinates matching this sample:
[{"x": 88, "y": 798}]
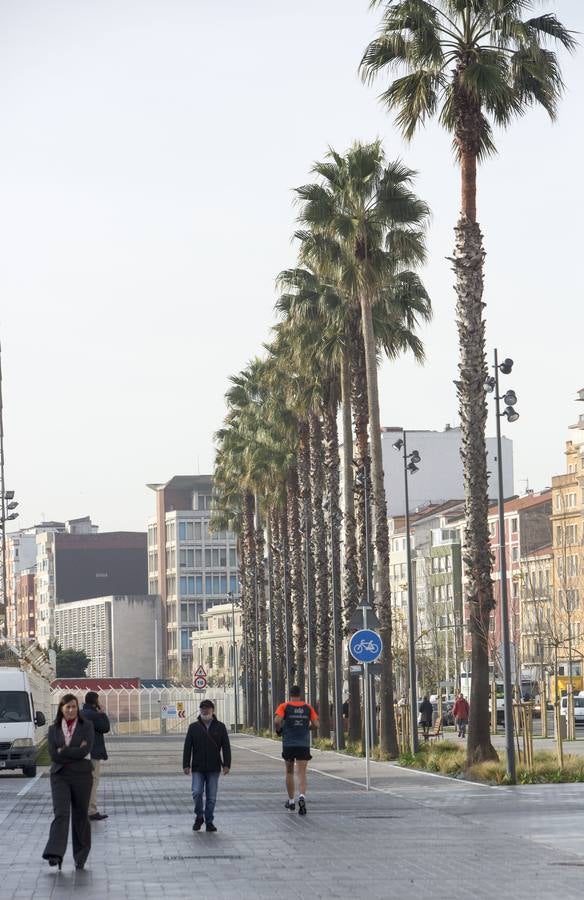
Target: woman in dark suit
[{"x": 70, "y": 743}]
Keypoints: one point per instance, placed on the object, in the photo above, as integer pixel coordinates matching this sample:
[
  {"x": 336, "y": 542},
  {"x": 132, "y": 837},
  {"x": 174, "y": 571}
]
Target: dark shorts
[{"x": 302, "y": 753}]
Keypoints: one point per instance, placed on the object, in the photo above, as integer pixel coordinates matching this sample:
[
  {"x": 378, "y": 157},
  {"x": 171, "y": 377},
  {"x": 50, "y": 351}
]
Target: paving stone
[{"x": 401, "y": 840}]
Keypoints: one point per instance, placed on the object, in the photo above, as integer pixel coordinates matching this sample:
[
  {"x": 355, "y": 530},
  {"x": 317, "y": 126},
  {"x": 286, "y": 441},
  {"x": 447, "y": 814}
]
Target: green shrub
[{"x": 323, "y": 743}]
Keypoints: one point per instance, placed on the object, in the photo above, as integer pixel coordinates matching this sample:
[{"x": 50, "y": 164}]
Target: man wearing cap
[{"x": 206, "y": 753}]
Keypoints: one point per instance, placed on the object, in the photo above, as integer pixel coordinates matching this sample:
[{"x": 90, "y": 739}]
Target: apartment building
[
  {"x": 191, "y": 566},
  {"x": 568, "y": 556},
  {"x": 437, "y": 589},
  {"x": 543, "y": 632},
  {"x": 80, "y": 563},
  {"x": 121, "y": 635}
]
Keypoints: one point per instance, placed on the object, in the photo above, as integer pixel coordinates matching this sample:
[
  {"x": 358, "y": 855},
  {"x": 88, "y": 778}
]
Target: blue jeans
[{"x": 207, "y": 782}]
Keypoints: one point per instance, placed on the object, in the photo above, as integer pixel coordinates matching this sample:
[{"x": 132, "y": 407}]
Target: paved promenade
[{"x": 407, "y": 838}]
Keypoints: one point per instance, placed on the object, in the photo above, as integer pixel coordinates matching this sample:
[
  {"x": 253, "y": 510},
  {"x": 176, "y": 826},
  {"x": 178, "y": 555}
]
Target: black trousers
[{"x": 71, "y": 792}]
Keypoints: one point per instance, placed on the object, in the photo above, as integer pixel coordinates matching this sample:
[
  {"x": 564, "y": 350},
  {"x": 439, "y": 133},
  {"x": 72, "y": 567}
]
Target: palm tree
[
  {"x": 475, "y": 63},
  {"x": 366, "y": 208}
]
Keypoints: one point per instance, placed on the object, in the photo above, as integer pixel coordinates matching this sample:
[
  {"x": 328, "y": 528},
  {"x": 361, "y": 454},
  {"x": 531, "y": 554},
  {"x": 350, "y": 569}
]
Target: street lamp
[
  {"x": 234, "y": 657},
  {"x": 410, "y": 461},
  {"x": 334, "y": 519},
  {"x": 511, "y": 414},
  {"x": 5, "y": 507}
]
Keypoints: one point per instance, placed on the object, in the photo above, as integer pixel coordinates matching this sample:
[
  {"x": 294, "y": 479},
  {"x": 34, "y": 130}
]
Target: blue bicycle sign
[{"x": 365, "y": 646}]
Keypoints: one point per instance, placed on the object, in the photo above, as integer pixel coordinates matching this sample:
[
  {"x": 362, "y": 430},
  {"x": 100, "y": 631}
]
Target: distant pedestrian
[
  {"x": 206, "y": 753},
  {"x": 426, "y": 714},
  {"x": 70, "y": 741},
  {"x": 460, "y": 712},
  {"x": 294, "y": 719},
  {"x": 101, "y": 725}
]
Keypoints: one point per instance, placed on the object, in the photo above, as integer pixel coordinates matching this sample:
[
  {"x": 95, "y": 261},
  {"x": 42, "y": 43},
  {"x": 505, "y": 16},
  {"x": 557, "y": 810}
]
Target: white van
[
  {"x": 18, "y": 721},
  {"x": 578, "y": 708}
]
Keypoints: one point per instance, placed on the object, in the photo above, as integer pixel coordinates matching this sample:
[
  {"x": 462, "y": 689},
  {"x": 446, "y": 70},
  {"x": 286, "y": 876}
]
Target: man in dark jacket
[
  {"x": 206, "y": 752},
  {"x": 101, "y": 725}
]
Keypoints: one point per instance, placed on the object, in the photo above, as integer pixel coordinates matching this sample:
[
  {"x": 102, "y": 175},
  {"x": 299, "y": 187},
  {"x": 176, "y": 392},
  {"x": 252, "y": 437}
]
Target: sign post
[
  {"x": 365, "y": 646},
  {"x": 200, "y": 679}
]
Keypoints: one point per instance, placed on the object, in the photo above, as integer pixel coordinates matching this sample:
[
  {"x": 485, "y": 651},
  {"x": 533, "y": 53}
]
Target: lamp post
[
  {"x": 234, "y": 659},
  {"x": 7, "y": 508},
  {"x": 411, "y": 461},
  {"x": 334, "y": 517},
  {"x": 511, "y": 414},
  {"x": 361, "y": 481}
]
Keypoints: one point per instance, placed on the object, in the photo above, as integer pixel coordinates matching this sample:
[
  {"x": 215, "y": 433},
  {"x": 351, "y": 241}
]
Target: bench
[{"x": 437, "y": 730}]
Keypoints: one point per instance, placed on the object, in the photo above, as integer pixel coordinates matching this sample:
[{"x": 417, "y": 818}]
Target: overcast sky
[{"x": 149, "y": 150}]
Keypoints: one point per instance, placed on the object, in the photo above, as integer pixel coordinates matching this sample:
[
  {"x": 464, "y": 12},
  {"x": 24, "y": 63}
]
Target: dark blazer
[
  {"x": 101, "y": 726},
  {"x": 74, "y": 757},
  {"x": 203, "y": 749}
]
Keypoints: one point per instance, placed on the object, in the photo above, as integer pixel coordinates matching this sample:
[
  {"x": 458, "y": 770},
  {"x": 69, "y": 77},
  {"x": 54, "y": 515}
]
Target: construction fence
[{"x": 143, "y": 710}]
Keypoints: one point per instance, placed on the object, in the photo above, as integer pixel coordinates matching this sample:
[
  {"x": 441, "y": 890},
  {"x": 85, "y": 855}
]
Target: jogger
[{"x": 294, "y": 719}]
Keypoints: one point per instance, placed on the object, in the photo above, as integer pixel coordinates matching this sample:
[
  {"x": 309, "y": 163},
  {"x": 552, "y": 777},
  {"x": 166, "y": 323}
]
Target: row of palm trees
[{"x": 354, "y": 297}]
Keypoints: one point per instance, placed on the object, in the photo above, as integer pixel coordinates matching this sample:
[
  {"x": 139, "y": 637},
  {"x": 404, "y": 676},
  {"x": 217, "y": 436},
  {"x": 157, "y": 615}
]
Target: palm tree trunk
[
  {"x": 262, "y": 668},
  {"x": 288, "y": 610},
  {"x": 296, "y": 592},
  {"x": 319, "y": 559},
  {"x": 305, "y": 513},
  {"x": 331, "y": 462},
  {"x": 277, "y": 649},
  {"x": 468, "y": 268},
  {"x": 388, "y": 735},
  {"x": 362, "y": 460},
  {"x": 248, "y": 608}
]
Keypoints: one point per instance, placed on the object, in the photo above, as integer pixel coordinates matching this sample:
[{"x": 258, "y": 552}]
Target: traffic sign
[
  {"x": 365, "y": 646},
  {"x": 200, "y": 683},
  {"x": 200, "y": 671},
  {"x": 169, "y": 712},
  {"x": 180, "y": 708}
]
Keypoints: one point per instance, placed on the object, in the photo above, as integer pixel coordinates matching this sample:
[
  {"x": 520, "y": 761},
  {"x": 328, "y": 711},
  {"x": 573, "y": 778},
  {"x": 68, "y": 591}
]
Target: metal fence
[{"x": 140, "y": 710}]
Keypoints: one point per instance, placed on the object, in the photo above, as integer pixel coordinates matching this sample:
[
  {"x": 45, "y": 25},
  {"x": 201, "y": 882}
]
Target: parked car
[
  {"x": 578, "y": 708},
  {"x": 447, "y": 707}
]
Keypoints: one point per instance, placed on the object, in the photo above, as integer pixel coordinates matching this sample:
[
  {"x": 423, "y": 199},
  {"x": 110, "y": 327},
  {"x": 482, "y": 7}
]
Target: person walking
[
  {"x": 460, "y": 712},
  {"x": 294, "y": 719},
  {"x": 101, "y": 725},
  {"x": 426, "y": 713},
  {"x": 70, "y": 741},
  {"x": 206, "y": 753}
]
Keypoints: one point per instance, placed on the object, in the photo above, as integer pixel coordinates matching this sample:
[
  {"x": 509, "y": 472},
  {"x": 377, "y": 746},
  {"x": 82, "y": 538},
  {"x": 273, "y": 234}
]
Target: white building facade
[
  {"x": 439, "y": 475},
  {"x": 121, "y": 635}
]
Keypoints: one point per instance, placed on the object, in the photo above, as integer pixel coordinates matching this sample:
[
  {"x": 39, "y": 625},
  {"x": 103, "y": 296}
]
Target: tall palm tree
[
  {"x": 367, "y": 209},
  {"x": 474, "y": 63}
]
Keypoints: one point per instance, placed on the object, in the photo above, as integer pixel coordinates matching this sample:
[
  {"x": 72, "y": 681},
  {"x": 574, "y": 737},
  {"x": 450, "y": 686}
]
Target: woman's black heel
[{"x": 55, "y": 861}]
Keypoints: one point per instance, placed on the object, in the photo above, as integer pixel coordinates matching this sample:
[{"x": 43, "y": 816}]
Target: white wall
[{"x": 440, "y": 471}]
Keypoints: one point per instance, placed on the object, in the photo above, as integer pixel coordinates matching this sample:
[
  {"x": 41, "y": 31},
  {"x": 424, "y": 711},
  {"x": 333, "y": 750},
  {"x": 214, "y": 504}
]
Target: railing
[{"x": 135, "y": 711}]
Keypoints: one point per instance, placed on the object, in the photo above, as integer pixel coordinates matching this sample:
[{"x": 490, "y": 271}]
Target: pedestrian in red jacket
[{"x": 460, "y": 713}]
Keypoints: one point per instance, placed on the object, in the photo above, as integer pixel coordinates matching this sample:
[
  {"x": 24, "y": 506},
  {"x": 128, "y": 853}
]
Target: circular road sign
[
  {"x": 200, "y": 683},
  {"x": 365, "y": 646}
]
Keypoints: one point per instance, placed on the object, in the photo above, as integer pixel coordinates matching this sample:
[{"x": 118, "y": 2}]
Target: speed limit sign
[{"x": 200, "y": 683}]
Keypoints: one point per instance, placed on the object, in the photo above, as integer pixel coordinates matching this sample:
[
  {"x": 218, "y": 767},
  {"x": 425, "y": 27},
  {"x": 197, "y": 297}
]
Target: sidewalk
[{"x": 397, "y": 841}]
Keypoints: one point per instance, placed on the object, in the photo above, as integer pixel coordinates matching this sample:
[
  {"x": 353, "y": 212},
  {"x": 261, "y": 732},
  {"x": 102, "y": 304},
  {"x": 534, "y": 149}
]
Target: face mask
[{"x": 206, "y": 718}]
